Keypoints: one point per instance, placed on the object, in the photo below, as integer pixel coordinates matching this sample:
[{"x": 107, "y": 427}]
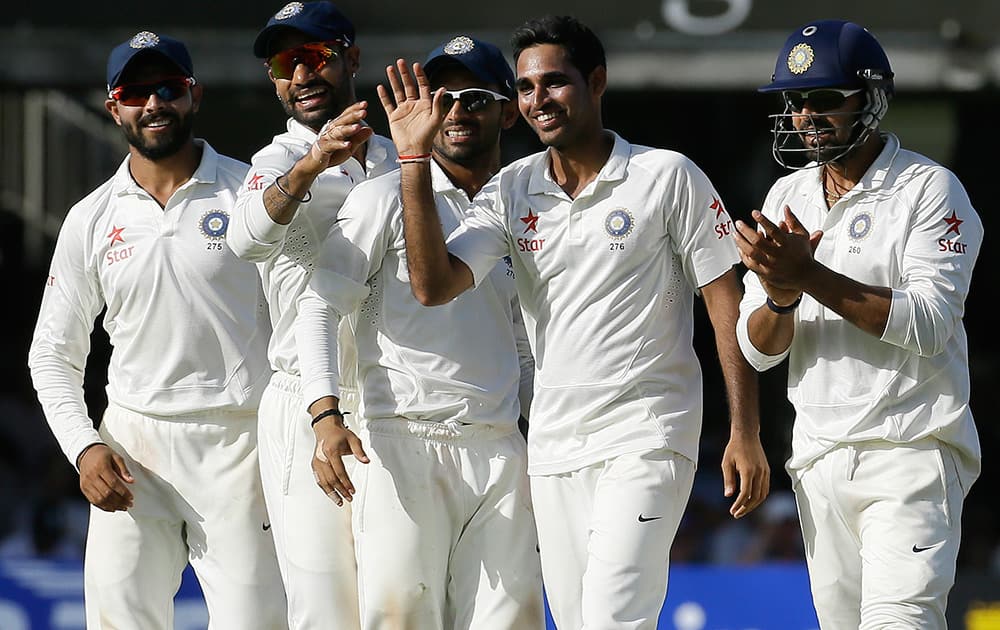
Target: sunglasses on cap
[
  {"x": 137, "y": 94},
  {"x": 820, "y": 100},
  {"x": 472, "y": 99},
  {"x": 313, "y": 55}
]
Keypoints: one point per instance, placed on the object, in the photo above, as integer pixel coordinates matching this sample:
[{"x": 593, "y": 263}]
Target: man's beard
[
  {"x": 315, "y": 119},
  {"x": 166, "y": 145}
]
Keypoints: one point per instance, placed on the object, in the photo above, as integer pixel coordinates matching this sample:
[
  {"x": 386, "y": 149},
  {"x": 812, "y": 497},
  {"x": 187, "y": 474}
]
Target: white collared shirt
[
  {"x": 286, "y": 254},
  {"x": 907, "y": 225},
  {"x": 607, "y": 284},
  {"x": 455, "y": 362},
  {"x": 186, "y": 317}
]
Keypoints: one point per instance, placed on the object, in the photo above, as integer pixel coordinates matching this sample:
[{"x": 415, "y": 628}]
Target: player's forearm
[
  {"x": 742, "y": 393},
  {"x": 722, "y": 297},
  {"x": 770, "y": 332},
  {"x": 865, "y": 306},
  {"x": 283, "y": 197},
  {"x": 430, "y": 266}
]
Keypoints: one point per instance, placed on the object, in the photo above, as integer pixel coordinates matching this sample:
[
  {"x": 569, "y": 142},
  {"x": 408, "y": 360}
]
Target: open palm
[{"x": 415, "y": 113}]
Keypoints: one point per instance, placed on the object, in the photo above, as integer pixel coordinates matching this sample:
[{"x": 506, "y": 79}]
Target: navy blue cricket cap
[
  {"x": 829, "y": 53},
  {"x": 320, "y": 20},
  {"x": 146, "y": 43},
  {"x": 482, "y": 59}
]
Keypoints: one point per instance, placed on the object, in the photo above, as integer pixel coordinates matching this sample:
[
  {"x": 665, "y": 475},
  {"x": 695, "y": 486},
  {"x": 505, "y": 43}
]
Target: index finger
[
  {"x": 352, "y": 114},
  {"x": 793, "y": 221},
  {"x": 343, "y": 480},
  {"x": 388, "y": 104},
  {"x": 769, "y": 228}
]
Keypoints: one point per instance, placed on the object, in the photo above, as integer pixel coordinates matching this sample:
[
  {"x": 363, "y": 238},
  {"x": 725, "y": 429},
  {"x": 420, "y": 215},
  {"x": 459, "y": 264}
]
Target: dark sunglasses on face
[
  {"x": 137, "y": 94},
  {"x": 313, "y": 55},
  {"x": 820, "y": 100},
  {"x": 472, "y": 99}
]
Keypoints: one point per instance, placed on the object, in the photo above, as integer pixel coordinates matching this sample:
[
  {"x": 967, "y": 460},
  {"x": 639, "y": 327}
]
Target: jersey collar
[
  {"x": 615, "y": 169},
  {"x": 205, "y": 173}
]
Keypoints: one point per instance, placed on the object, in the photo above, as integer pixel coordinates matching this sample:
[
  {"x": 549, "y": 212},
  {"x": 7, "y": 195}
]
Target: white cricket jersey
[
  {"x": 907, "y": 225},
  {"x": 455, "y": 362},
  {"x": 286, "y": 254},
  {"x": 186, "y": 317},
  {"x": 607, "y": 284}
]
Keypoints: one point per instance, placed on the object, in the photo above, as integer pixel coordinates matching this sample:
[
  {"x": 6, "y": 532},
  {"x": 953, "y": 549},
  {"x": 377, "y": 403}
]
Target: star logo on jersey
[
  {"x": 530, "y": 222},
  {"x": 718, "y": 207},
  {"x": 953, "y": 222},
  {"x": 256, "y": 182},
  {"x": 116, "y": 235}
]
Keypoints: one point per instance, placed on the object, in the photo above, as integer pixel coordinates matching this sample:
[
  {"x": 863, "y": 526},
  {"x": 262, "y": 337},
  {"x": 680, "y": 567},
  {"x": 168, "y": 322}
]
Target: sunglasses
[
  {"x": 472, "y": 99},
  {"x": 314, "y": 55},
  {"x": 137, "y": 94},
  {"x": 821, "y": 100}
]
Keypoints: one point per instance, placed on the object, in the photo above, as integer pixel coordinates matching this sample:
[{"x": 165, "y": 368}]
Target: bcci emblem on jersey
[
  {"x": 860, "y": 226},
  {"x": 619, "y": 223},
  {"x": 214, "y": 224}
]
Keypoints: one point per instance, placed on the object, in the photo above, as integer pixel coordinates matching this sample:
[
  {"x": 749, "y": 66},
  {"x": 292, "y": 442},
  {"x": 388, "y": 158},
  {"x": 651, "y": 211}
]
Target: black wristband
[
  {"x": 281, "y": 189},
  {"x": 783, "y": 310},
  {"x": 326, "y": 414}
]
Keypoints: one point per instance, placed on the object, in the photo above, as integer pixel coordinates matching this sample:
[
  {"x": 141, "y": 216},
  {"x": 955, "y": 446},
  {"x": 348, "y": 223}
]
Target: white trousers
[
  {"x": 882, "y": 525},
  {"x": 444, "y": 529},
  {"x": 605, "y": 533},
  {"x": 197, "y": 499},
  {"x": 311, "y": 534}
]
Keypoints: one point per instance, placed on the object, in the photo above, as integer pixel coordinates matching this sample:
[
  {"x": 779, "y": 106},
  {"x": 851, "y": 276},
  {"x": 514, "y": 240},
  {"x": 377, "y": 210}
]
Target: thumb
[
  {"x": 814, "y": 239},
  {"x": 728, "y": 477},
  {"x": 357, "y": 449},
  {"x": 362, "y": 136},
  {"x": 121, "y": 468}
]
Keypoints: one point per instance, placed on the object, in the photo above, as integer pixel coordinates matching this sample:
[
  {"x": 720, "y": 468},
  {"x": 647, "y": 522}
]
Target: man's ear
[
  {"x": 598, "y": 81},
  {"x": 197, "y": 91},
  {"x": 509, "y": 114},
  {"x": 112, "y": 106},
  {"x": 352, "y": 58}
]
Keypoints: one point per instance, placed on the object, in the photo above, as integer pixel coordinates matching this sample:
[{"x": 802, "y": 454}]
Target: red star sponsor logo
[
  {"x": 953, "y": 222},
  {"x": 530, "y": 222},
  {"x": 717, "y": 206},
  {"x": 256, "y": 182},
  {"x": 116, "y": 235}
]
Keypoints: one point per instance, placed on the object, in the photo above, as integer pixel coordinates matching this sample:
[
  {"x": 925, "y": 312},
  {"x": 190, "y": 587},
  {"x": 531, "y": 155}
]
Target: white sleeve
[
  {"x": 480, "y": 241},
  {"x": 315, "y": 339},
  {"x": 350, "y": 254},
  {"x": 71, "y": 302},
  {"x": 252, "y": 234},
  {"x": 753, "y": 298},
  {"x": 694, "y": 211},
  {"x": 525, "y": 391},
  {"x": 356, "y": 244},
  {"x": 937, "y": 267}
]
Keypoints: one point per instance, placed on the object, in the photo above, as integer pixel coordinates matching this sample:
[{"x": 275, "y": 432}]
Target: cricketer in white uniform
[
  {"x": 609, "y": 243},
  {"x": 443, "y": 525},
  {"x": 318, "y": 570},
  {"x": 171, "y": 470},
  {"x": 862, "y": 265}
]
